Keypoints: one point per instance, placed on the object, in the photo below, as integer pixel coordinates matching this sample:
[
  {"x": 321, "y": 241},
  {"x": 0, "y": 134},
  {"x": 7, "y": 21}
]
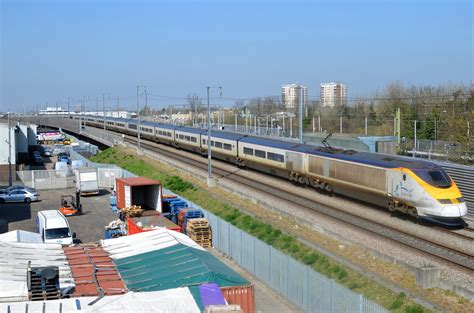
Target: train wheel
[
  {"x": 313, "y": 183},
  {"x": 412, "y": 212},
  {"x": 392, "y": 207},
  {"x": 302, "y": 180},
  {"x": 328, "y": 188}
]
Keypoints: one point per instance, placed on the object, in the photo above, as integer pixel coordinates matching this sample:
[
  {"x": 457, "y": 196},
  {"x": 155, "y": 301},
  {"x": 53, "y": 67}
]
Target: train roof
[
  {"x": 191, "y": 130},
  {"x": 374, "y": 159},
  {"x": 165, "y": 126},
  {"x": 225, "y": 135}
]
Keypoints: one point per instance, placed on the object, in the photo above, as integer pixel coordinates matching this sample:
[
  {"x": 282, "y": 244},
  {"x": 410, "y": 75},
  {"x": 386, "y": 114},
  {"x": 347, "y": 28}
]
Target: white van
[{"x": 53, "y": 227}]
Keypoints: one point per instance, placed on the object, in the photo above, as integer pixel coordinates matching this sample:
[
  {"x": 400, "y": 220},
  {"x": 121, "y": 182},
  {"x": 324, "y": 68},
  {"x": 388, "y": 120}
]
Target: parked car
[
  {"x": 64, "y": 158},
  {"x": 17, "y": 187},
  {"x": 47, "y": 152},
  {"x": 19, "y": 195},
  {"x": 38, "y": 159}
]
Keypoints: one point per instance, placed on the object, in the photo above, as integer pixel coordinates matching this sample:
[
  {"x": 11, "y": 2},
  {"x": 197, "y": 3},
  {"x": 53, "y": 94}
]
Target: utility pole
[
  {"x": 366, "y": 125},
  {"x": 57, "y": 111},
  {"x": 103, "y": 108},
  {"x": 68, "y": 103},
  {"x": 291, "y": 127},
  {"x": 414, "y": 148},
  {"x": 97, "y": 106},
  {"x": 10, "y": 178},
  {"x": 138, "y": 116},
  {"x": 210, "y": 181},
  {"x": 236, "y": 121},
  {"x": 340, "y": 124},
  {"x": 146, "y": 100},
  {"x": 319, "y": 123},
  {"x": 118, "y": 107},
  {"x": 300, "y": 117}
]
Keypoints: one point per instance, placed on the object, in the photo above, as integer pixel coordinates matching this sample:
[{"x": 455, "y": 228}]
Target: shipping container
[
  {"x": 146, "y": 223},
  {"x": 241, "y": 295},
  {"x": 139, "y": 191},
  {"x": 86, "y": 181}
]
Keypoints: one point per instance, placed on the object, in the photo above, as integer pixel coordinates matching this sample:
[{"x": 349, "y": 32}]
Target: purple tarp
[{"x": 211, "y": 294}]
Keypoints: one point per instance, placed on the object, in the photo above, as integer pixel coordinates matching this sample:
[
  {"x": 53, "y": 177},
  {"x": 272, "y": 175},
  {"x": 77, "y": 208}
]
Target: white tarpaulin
[
  {"x": 122, "y": 247},
  {"x": 165, "y": 301},
  {"x": 14, "y": 260},
  {"x": 21, "y": 236}
]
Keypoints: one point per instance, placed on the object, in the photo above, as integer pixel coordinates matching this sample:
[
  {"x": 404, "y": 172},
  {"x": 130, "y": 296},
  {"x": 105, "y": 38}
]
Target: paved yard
[{"x": 88, "y": 227}]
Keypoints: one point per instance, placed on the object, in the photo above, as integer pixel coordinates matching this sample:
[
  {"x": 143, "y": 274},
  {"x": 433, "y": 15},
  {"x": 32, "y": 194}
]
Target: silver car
[{"x": 19, "y": 195}]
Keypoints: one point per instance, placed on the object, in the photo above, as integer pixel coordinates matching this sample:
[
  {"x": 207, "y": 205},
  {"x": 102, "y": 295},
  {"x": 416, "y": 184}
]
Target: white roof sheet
[
  {"x": 14, "y": 259},
  {"x": 165, "y": 301},
  {"x": 20, "y": 236},
  {"x": 122, "y": 247}
]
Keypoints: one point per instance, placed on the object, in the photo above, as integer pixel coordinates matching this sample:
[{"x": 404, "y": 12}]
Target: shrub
[
  {"x": 414, "y": 308},
  {"x": 342, "y": 274},
  {"x": 398, "y": 302}
]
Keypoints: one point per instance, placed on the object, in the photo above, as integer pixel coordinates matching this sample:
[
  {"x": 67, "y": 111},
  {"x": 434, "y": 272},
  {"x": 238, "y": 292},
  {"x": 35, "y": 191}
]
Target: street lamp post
[{"x": 210, "y": 181}]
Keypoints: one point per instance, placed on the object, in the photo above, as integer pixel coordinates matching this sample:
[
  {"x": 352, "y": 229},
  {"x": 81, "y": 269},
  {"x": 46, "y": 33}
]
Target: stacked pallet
[
  {"x": 198, "y": 230},
  {"x": 132, "y": 211}
]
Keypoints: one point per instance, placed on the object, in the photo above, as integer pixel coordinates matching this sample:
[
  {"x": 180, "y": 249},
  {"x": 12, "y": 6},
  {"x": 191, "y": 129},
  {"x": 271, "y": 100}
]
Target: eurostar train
[{"x": 412, "y": 186}]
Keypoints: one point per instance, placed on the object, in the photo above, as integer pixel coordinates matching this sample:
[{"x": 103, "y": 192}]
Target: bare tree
[{"x": 194, "y": 103}]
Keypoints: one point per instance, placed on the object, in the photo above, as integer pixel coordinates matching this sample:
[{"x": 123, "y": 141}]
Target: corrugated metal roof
[
  {"x": 138, "y": 181},
  {"x": 93, "y": 271},
  {"x": 14, "y": 260},
  {"x": 175, "y": 266}
]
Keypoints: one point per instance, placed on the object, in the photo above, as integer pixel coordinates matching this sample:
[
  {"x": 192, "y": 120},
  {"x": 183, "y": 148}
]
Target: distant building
[
  {"x": 291, "y": 95},
  {"x": 333, "y": 94}
]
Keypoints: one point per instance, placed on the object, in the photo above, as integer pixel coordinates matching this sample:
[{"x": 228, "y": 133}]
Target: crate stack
[
  {"x": 132, "y": 211},
  {"x": 187, "y": 214},
  {"x": 173, "y": 204},
  {"x": 198, "y": 230},
  {"x": 113, "y": 204}
]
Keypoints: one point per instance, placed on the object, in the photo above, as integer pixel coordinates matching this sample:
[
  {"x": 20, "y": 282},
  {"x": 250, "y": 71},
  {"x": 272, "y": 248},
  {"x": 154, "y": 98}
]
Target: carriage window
[
  {"x": 212, "y": 143},
  {"x": 187, "y": 138},
  {"x": 227, "y": 146},
  {"x": 204, "y": 141},
  {"x": 218, "y": 144},
  {"x": 260, "y": 153},
  {"x": 275, "y": 157},
  {"x": 248, "y": 151},
  {"x": 193, "y": 139}
]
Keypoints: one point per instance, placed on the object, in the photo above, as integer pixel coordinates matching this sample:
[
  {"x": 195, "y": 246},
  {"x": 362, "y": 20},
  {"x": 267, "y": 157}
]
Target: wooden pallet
[{"x": 132, "y": 211}]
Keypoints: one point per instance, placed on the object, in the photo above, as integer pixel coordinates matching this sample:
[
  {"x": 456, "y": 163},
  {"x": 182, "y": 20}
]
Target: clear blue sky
[{"x": 55, "y": 49}]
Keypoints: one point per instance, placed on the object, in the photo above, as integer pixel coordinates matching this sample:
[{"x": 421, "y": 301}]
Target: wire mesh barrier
[{"x": 47, "y": 179}]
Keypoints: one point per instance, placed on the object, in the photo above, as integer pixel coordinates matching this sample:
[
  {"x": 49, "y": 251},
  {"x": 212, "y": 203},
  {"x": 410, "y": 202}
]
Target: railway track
[{"x": 441, "y": 251}]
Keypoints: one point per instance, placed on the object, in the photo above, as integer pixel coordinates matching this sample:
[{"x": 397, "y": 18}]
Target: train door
[{"x": 294, "y": 162}]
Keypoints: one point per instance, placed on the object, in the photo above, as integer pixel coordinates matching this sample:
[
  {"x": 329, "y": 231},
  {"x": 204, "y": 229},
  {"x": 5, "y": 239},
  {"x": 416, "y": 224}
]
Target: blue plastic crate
[{"x": 113, "y": 200}]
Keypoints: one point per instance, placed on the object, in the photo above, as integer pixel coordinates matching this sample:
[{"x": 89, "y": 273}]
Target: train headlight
[
  {"x": 445, "y": 201},
  {"x": 460, "y": 200}
]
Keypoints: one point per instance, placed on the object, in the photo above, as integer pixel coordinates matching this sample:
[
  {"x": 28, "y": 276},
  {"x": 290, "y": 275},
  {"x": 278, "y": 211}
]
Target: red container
[
  {"x": 156, "y": 220},
  {"x": 140, "y": 191},
  {"x": 241, "y": 295}
]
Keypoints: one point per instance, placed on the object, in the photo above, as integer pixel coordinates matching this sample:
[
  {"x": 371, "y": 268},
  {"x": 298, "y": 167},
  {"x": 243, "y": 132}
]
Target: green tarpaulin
[{"x": 175, "y": 266}]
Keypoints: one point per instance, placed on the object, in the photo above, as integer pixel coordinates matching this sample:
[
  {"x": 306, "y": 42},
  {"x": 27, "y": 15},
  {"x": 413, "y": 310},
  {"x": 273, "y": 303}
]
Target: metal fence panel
[
  {"x": 235, "y": 244},
  {"x": 262, "y": 261},
  {"x": 46, "y": 179},
  {"x": 319, "y": 293},
  {"x": 223, "y": 235},
  {"x": 297, "y": 274},
  {"x": 106, "y": 176},
  {"x": 279, "y": 271},
  {"x": 248, "y": 252}
]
